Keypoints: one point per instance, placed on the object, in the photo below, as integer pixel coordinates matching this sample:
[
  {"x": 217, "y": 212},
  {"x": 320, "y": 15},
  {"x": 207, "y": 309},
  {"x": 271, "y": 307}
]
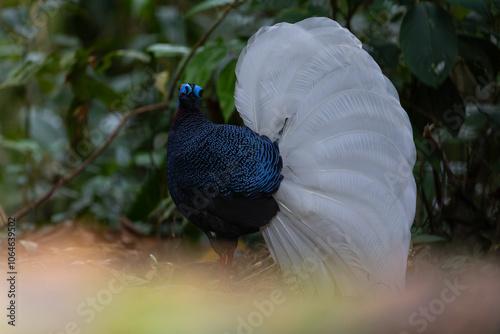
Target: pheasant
[{"x": 323, "y": 167}]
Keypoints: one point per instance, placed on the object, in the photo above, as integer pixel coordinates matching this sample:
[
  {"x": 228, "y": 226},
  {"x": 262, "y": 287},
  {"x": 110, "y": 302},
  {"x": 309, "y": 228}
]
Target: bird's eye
[{"x": 198, "y": 91}]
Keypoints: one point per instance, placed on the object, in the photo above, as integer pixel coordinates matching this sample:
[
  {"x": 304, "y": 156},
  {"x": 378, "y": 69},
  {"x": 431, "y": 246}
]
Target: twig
[
  {"x": 131, "y": 113},
  {"x": 350, "y": 13},
  {"x": 89, "y": 160},
  {"x": 197, "y": 45},
  {"x": 476, "y": 162},
  {"x": 424, "y": 200},
  {"x": 442, "y": 156},
  {"x": 409, "y": 105},
  {"x": 130, "y": 227},
  {"x": 496, "y": 237},
  {"x": 438, "y": 188}
]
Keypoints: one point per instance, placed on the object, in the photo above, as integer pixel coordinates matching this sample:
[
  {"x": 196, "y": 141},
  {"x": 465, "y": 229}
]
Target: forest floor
[{"x": 76, "y": 279}]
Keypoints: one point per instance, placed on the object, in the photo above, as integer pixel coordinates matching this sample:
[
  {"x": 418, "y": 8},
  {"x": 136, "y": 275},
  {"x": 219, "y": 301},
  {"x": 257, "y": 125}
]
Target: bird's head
[{"x": 190, "y": 94}]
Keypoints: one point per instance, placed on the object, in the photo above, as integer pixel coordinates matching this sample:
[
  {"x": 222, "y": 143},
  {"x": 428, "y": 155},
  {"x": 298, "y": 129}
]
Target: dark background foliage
[{"x": 70, "y": 70}]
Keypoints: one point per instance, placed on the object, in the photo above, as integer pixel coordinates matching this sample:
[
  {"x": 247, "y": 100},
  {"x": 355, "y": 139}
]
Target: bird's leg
[
  {"x": 230, "y": 255},
  {"x": 222, "y": 268},
  {"x": 226, "y": 261}
]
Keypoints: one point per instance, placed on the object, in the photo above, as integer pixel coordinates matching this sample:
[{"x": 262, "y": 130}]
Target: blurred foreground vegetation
[{"x": 70, "y": 70}]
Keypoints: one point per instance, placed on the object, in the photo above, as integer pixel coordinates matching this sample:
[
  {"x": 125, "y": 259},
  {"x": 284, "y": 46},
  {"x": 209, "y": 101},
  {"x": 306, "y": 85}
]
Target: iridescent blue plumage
[{"x": 221, "y": 177}]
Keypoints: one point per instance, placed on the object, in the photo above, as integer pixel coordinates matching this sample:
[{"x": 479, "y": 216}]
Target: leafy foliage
[
  {"x": 225, "y": 89},
  {"x": 69, "y": 70},
  {"x": 429, "y": 42}
]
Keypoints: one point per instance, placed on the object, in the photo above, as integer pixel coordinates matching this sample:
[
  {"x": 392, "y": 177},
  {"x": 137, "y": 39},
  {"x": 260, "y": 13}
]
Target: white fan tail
[{"x": 347, "y": 200}]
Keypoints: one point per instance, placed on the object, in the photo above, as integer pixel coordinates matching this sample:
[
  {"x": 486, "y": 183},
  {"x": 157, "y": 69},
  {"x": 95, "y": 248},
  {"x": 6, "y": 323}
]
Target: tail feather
[{"x": 347, "y": 200}]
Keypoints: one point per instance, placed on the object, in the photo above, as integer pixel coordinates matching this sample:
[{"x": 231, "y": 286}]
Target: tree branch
[
  {"x": 89, "y": 160},
  {"x": 123, "y": 121},
  {"x": 334, "y": 6},
  {"x": 197, "y": 45}
]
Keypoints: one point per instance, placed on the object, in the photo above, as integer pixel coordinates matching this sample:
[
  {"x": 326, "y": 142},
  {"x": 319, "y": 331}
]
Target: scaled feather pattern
[{"x": 221, "y": 177}]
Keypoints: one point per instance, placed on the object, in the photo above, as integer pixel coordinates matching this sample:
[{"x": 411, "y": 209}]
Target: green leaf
[
  {"x": 429, "y": 42},
  {"x": 133, "y": 54},
  {"x": 68, "y": 60},
  {"x": 9, "y": 51},
  {"x": 123, "y": 53},
  {"x": 147, "y": 198},
  {"x": 169, "y": 209},
  {"x": 207, "y": 5},
  {"x": 22, "y": 73},
  {"x": 137, "y": 6},
  {"x": 168, "y": 50},
  {"x": 459, "y": 12},
  {"x": 160, "y": 141},
  {"x": 385, "y": 53},
  {"x": 482, "y": 58},
  {"x": 225, "y": 89},
  {"x": 21, "y": 145},
  {"x": 479, "y": 6},
  {"x": 84, "y": 84},
  {"x": 478, "y": 120},
  {"x": 275, "y": 4},
  {"x": 89, "y": 88},
  {"x": 144, "y": 158},
  {"x": 292, "y": 15},
  {"x": 46, "y": 128},
  {"x": 200, "y": 68},
  {"x": 425, "y": 238}
]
